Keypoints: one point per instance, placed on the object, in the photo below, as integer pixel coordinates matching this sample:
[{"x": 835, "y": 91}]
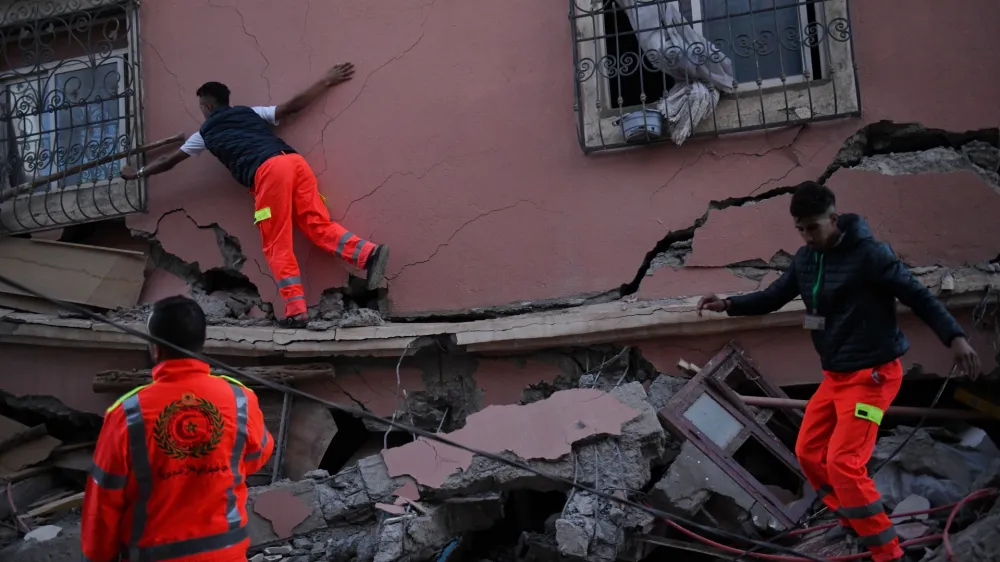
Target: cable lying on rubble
[{"x": 680, "y": 523}]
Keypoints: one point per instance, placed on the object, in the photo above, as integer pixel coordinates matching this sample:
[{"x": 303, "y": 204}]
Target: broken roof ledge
[{"x": 583, "y": 325}]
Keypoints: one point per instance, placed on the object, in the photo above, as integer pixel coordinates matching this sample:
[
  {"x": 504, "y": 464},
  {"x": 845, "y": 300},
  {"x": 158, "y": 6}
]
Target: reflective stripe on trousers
[{"x": 144, "y": 478}]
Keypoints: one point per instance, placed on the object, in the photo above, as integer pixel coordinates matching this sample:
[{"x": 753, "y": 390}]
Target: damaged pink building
[{"x": 556, "y": 192}]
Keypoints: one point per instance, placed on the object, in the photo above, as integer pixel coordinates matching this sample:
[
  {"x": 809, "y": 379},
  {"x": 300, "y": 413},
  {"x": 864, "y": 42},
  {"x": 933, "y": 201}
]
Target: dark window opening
[
  {"x": 764, "y": 39},
  {"x": 351, "y": 436},
  {"x": 629, "y": 75},
  {"x": 768, "y": 469}
]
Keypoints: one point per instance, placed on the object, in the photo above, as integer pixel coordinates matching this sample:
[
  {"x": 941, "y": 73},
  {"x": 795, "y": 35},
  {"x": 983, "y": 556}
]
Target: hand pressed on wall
[{"x": 340, "y": 73}]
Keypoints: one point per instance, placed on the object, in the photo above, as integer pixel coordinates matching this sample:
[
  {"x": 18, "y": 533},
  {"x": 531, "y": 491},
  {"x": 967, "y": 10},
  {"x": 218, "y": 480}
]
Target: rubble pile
[
  {"x": 687, "y": 445},
  {"x": 45, "y": 455}
]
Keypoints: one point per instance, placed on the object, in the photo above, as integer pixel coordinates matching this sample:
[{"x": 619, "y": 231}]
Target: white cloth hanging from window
[{"x": 700, "y": 70}]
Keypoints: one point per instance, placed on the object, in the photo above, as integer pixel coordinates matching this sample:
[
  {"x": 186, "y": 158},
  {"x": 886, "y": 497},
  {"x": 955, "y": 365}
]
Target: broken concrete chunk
[
  {"x": 283, "y": 509},
  {"x": 911, "y": 504},
  {"x": 982, "y": 154},
  {"x": 44, "y": 533},
  {"x": 284, "y": 549},
  {"x": 976, "y": 542},
  {"x": 693, "y": 479},
  {"x": 544, "y": 430},
  {"x": 376, "y": 479},
  {"x": 936, "y": 464},
  {"x": 348, "y": 500},
  {"x": 662, "y": 389}
]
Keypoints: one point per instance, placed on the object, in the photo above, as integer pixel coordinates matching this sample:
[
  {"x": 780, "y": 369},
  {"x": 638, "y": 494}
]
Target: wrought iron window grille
[
  {"x": 650, "y": 71},
  {"x": 69, "y": 97}
]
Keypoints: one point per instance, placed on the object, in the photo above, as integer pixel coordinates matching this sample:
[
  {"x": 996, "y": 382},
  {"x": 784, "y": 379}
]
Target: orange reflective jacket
[{"x": 170, "y": 468}]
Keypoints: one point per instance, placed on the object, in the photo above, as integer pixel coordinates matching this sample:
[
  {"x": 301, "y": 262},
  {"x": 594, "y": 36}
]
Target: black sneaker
[
  {"x": 294, "y": 322},
  {"x": 375, "y": 267}
]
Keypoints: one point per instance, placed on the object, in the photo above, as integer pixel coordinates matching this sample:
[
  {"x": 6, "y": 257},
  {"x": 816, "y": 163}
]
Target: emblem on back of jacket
[{"x": 189, "y": 428}]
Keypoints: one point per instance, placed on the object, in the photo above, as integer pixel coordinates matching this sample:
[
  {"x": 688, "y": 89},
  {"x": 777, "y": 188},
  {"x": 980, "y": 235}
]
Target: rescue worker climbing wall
[
  {"x": 171, "y": 462},
  {"x": 849, "y": 283},
  {"x": 283, "y": 185}
]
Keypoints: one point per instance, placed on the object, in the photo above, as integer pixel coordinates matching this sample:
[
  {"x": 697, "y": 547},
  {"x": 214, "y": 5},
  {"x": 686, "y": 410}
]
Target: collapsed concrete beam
[
  {"x": 596, "y": 529},
  {"x": 542, "y": 433},
  {"x": 122, "y": 381}
]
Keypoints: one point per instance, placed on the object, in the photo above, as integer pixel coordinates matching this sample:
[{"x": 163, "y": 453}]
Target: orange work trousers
[
  {"x": 835, "y": 444},
  {"x": 286, "y": 192}
]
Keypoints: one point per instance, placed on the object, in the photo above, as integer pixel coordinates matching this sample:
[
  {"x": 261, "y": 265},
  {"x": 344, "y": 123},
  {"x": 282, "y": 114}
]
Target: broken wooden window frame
[
  {"x": 46, "y": 39},
  {"x": 711, "y": 381},
  {"x": 823, "y": 28}
]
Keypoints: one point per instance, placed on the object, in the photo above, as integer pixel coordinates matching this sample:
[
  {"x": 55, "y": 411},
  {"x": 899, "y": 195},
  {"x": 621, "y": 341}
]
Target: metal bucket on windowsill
[{"x": 642, "y": 126}]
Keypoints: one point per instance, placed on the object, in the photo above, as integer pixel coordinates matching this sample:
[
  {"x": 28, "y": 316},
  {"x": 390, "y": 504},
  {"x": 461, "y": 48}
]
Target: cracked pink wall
[{"x": 456, "y": 141}]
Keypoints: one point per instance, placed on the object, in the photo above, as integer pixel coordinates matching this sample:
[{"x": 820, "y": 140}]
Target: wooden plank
[
  {"x": 21, "y": 437},
  {"x": 29, "y": 304},
  {"x": 123, "y": 381},
  {"x": 27, "y": 454},
  {"x": 90, "y": 275},
  {"x": 63, "y": 504},
  {"x": 25, "y": 492}
]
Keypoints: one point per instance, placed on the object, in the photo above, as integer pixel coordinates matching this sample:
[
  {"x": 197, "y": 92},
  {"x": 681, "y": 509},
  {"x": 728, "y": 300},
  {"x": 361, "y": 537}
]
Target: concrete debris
[
  {"x": 422, "y": 501},
  {"x": 937, "y": 464},
  {"x": 43, "y": 533}
]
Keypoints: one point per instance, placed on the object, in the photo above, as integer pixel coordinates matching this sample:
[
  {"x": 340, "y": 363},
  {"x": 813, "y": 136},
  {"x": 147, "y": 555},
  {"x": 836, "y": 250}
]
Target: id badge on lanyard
[{"x": 814, "y": 321}]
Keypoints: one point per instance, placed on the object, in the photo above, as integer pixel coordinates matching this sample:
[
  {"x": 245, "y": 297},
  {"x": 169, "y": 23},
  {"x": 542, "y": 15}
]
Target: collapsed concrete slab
[
  {"x": 543, "y": 432},
  {"x": 596, "y": 529}
]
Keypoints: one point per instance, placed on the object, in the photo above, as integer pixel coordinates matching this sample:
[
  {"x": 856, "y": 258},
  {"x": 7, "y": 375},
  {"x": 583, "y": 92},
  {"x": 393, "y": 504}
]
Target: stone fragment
[
  {"x": 282, "y": 510},
  {"x": 283, "y": 549},
  {"x": 43, "y": 533}
]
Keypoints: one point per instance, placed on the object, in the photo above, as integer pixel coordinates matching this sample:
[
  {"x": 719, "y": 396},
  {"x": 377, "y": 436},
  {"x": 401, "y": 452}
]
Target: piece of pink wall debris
[{"x": 542, "y": 430}]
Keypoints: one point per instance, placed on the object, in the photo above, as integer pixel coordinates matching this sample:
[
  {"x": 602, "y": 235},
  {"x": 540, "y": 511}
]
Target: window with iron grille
[
  {"x": 665, "y": 70},
  {"x": 69, "y": 112}
]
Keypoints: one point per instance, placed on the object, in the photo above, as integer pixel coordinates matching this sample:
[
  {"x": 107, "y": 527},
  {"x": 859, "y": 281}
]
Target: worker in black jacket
[{"x": 849, "y": 283}]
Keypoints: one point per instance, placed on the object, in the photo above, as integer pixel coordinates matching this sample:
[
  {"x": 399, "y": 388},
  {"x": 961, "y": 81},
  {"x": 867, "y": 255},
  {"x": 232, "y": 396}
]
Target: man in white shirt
[{"x": 284, "y": 187}]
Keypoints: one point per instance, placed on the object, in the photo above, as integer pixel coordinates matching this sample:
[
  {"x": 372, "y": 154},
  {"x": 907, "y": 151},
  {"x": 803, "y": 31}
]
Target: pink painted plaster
[
  {"x": 375, "y": 387},
  {"x": 785, "y": 356},
  {"x": 456, "y": 141},
  {"x": 503, "y": 381},
  {"x": 283, "y": 509},
  {"x": 407, "y": 491},
  {"x": 957, "y": 228},
  {"x": 66, "y": 373},
  {"x": 161, "y": 284},
  {"x": 195, "y": 244},
  {"x": 672, "y": 282},
  {"x": 541, "y": 430}
]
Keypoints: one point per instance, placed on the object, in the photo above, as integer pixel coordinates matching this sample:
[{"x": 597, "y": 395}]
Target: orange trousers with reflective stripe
[
  {"x": 285, "y": 193},
  {"x": 835, "y": 444}
]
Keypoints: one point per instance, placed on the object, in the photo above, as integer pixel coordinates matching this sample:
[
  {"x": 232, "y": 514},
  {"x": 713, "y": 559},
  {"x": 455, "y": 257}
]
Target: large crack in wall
[
  {"x": 229, "y": 297},
  {"x": 883, "y": 147}
]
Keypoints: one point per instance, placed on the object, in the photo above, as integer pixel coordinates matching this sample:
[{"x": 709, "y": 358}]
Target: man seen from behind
[
  {"x": 849, "y": 283},
  {"x": 171, "y": 462}
]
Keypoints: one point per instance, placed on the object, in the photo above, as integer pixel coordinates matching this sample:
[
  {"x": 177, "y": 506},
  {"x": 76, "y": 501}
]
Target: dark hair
[
  {"x": 180, "y": 321},
  {"x": 811, "y": 199},
  {"x": 215, "y": 90}
]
